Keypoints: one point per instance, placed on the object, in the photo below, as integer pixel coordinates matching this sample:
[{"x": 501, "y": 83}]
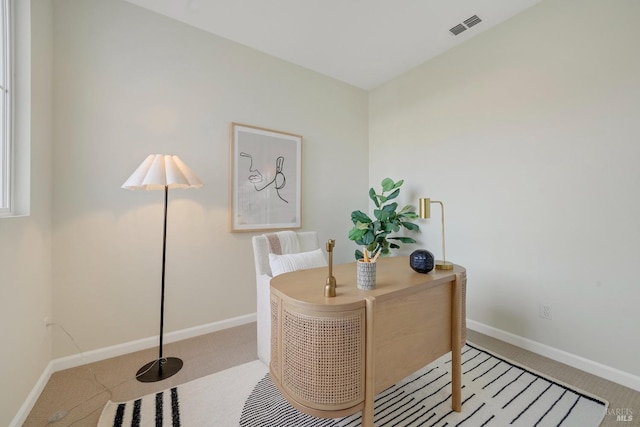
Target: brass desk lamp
[{"x": 425, "y": 212}]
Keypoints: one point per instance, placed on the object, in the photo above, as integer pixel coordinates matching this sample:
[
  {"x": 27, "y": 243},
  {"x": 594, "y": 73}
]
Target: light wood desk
[{"x": 331, "y": 356}]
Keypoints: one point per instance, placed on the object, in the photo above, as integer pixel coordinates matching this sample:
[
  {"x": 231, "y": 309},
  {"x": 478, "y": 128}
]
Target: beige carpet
[{"x": 76, "y": 391}]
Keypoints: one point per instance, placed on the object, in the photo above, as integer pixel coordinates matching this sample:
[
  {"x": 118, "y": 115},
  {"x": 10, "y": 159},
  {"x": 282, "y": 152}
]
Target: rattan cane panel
[
  {"x": 323, "y": 358},
  {"x": 275, "y": 313}
]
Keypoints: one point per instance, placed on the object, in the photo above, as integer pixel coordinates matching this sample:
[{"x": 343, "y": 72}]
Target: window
[{"x": 5, "y": 108}]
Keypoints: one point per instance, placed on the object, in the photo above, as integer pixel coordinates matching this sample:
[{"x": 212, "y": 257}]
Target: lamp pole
[{"x": 164, "y": 260}]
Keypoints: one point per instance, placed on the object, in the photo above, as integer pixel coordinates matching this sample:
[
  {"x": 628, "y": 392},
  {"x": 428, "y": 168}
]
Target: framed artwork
[{"x": 265, "y": 179}]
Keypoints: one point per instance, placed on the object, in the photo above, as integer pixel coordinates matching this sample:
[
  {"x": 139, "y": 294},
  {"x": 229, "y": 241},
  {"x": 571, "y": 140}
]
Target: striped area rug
[
  {"x": 496, "y": 392},
  {"x": 214, "y": 400}
]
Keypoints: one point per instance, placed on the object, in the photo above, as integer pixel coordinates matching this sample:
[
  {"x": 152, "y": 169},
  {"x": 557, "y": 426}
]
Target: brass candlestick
[{"x": 330, "y": 287}]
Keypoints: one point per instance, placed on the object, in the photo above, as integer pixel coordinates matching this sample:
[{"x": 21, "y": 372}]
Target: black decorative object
[{"x": 422, "y": 261}]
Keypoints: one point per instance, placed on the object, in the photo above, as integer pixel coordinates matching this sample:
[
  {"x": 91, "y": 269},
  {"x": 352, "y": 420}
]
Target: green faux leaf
[
  {"x": 356, "y": 233},
  {"x": 410, "y": 226},
  {"x": 390, "y": 208},
  {"x": 359, "y": 216},
  {"x": 394, "y": 246},
  {"x": 381, "y": 236},
  {"x": 410, "y": 215},
  {"x": 388, "y": 184},
  {"x": 403, "y": 239},
  {"x": 368, "y": 238},
  {"x": 398, "y": 184},
  {"x": 387, "y": 226},
  {"x": 358, "y": 254},
  {"x": 393, "y": 195},
  {"x": 406, "y": 209},
  {"x": 381, "y": 214},
  {"x": 372, "y": 196},
  {"x": 363, "y": 225}
]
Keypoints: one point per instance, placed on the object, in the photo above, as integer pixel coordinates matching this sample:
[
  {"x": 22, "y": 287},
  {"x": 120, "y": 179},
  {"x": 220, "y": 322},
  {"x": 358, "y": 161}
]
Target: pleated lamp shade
[{"x": 160, "y": 170}]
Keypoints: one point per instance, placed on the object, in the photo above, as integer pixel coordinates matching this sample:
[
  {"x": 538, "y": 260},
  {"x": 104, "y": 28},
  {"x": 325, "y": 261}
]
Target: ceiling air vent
[
  {"x": 470, "y": 22},
  {"x": 467, "y": 23},
  {"x": 458, "y": 29}
]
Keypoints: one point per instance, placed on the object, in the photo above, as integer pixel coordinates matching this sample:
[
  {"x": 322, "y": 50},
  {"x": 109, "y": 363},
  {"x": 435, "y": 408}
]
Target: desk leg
[
  {"x": 456, "y": 345},
  {"x": 369, "y": 377}
]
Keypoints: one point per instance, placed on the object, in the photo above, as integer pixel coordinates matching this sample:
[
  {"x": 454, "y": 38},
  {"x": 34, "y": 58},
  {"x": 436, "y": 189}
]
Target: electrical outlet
[{"x": 544, "y": 311}]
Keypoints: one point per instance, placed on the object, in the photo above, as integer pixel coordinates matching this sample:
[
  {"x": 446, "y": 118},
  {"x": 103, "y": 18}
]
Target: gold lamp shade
[{"x": 425, "y": 213}]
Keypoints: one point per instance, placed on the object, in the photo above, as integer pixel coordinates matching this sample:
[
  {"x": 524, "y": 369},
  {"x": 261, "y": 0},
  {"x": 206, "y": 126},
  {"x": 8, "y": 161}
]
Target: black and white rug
[
  {"x": 214, "y": 400},
  {"x": 496, "y": 392}
]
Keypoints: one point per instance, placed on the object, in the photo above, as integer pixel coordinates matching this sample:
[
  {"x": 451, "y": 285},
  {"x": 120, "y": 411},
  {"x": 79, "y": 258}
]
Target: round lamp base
[
  {"x": 444, "y": 265},
  {"x": 158, "y": 370}
]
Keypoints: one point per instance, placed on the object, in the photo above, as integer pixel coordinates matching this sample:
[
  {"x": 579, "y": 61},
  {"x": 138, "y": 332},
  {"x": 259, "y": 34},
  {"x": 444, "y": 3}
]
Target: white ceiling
[{"x": 361, "y": 42}]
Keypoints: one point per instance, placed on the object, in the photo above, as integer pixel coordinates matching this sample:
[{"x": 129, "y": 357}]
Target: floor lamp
[{"x": 161, "y": 172}]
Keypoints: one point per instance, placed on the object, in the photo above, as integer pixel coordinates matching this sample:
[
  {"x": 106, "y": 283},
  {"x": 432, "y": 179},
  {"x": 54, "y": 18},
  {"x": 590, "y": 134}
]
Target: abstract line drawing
[
  {"x": 279, "y": 180},
  {"x": 266, "y": 179}
]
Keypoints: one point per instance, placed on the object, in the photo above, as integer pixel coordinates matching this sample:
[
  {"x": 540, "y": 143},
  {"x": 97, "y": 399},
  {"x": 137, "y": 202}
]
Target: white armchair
[{"x": 306, "y": 241}]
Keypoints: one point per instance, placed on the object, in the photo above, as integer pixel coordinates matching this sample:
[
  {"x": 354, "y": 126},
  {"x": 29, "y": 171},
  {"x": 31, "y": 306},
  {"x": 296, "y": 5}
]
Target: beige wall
[
  {"x": 128, "y": 83},
  {"x": 529, "y": 134},
  {"x": 25, "y": 242},
  {"x": 525, "y": 132}
]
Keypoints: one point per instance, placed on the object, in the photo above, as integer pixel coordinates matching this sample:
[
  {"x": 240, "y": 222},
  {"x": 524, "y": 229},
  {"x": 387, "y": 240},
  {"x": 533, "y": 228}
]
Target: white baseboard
[
  {"x": 612, "y": 374},
  {"x": 31, "y": 399},
  {"x": 118, "y": 350},
  {"x": 145, "y": 343}
]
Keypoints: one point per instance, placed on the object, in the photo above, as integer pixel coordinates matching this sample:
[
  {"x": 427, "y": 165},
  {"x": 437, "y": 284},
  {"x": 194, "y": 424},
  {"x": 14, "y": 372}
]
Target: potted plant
[{"x": 374, "y": 234}]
